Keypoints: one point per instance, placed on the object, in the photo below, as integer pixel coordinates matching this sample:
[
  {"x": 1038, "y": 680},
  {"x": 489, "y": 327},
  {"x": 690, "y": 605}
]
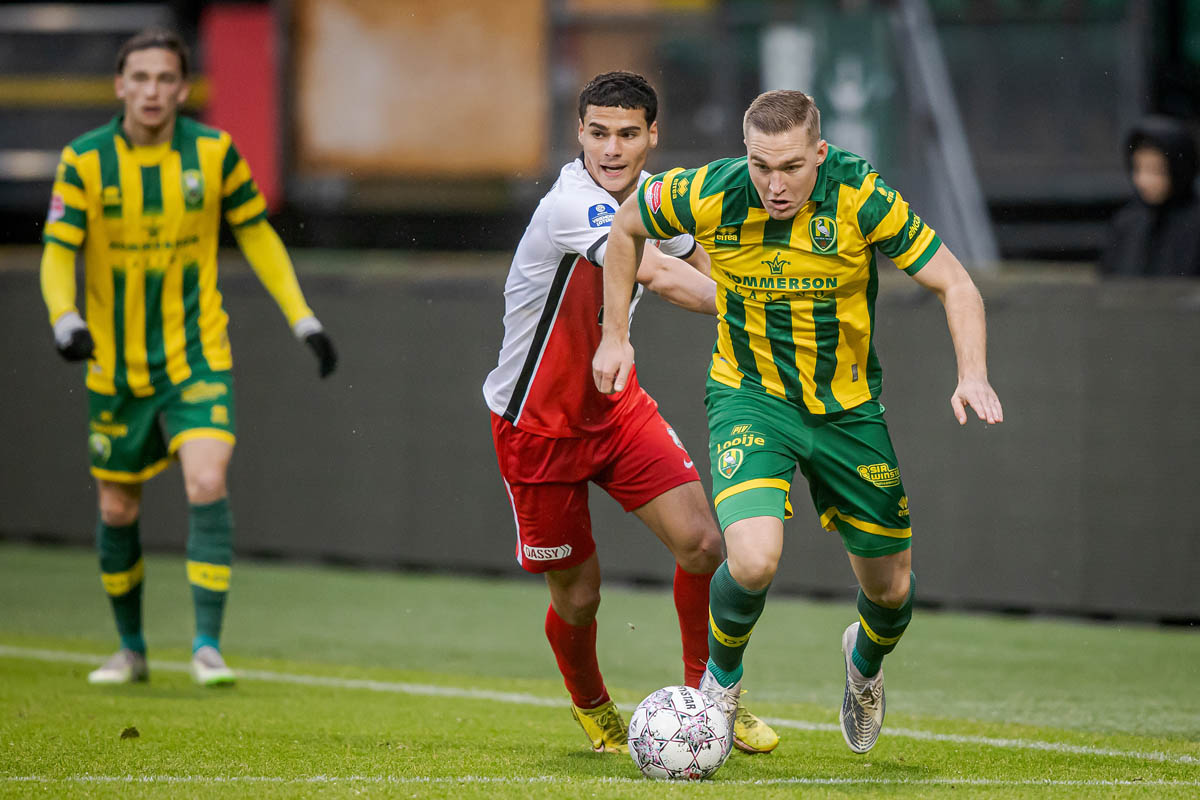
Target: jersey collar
[{"x": 819, "y": 188}]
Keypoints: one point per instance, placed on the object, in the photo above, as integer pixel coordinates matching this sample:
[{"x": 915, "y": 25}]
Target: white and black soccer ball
[{"x": 679, "y": 734}]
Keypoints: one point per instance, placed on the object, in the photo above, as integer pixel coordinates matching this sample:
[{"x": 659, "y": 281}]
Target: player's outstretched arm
[
  {"x": 677, "y": 281},
  {"x": 944, "y": 276},
  {"x": 626, "y": 240},
  {"x": 268, "y": 257},
  {"x": 71, "y": 336}
]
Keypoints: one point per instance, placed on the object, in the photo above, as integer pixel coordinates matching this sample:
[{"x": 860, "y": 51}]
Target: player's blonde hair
[{"x": 780, "y": 111}]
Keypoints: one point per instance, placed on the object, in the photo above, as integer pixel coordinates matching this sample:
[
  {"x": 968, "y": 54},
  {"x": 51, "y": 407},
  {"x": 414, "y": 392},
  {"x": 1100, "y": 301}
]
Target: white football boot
[
  {"x": 124, "y": 666},
  {"x": 723, "y": 697},
  {"x": 208, "y": 668},
  {"x": 863, "y": 705}
]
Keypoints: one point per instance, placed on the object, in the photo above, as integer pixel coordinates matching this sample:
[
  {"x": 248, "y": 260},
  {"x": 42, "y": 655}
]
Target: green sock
[
  {"x": 121, "y": 570},
  {"x": 879, "y": 630},
  {"x": 209, "y": 556},
  {"x": 732, "y": 609}
]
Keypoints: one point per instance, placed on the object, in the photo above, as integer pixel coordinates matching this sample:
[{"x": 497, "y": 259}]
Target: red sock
[
  {"x": 691, "y": 604},
  {"x": 574, "y": 648}
]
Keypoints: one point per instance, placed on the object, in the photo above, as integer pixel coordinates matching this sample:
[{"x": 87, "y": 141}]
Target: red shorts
[{"x": 547, "y": 479}]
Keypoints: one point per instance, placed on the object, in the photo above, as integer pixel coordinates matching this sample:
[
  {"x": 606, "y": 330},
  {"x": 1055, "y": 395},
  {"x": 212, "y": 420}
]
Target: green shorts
[
  {"x": 756, "y": 441},
  {"x": 131, "y": 439}
]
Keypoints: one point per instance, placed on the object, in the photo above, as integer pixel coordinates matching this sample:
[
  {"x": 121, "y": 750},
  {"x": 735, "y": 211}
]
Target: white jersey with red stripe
[{"x": 552, "y": 305}]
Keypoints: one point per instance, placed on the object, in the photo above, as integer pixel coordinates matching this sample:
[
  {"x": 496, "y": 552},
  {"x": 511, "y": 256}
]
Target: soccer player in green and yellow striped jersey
[
  {"x": 793, "y": 229},
  {"x": 143, "y": 198}
]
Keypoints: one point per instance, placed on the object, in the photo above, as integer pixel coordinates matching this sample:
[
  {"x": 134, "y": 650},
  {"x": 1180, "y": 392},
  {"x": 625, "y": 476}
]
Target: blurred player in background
[
  {"x": 792, "y": 229},
  {"x": 554, "y": 432},
  {"x": 144, "y": 196}
]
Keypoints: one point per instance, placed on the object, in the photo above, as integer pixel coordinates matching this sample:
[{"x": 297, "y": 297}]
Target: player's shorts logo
[
  {"x": 203, "y": 392},
  {"x": 904, "y": 506},
  {"x": 193, "y": 189},
  {"x": 881, "y": 475},
  {"x": 729, "y": 462},
  {"x": 545, "y": 553},
  {"x": 100, "y": 447},
  {"x": 823, "y": 232},
  {"x": 601, "y": 215}
]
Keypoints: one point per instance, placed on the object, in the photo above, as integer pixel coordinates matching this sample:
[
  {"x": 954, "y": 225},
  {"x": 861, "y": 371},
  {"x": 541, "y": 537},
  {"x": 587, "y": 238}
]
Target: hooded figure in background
[{"x": 1157, "y": 234}]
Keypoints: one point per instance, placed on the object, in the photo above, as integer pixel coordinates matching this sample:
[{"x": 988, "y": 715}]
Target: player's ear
[
  {"x": 580, "y": 135},
  {"x": 822, "y": 151},
  {"x": 654, "y": 133},
  {"x": 181, "y": 94},
  {"x": 119, "y": 86}
]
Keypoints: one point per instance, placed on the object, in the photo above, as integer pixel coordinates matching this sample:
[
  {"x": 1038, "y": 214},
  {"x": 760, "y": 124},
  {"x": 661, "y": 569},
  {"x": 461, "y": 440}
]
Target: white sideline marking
[
  {"x": 393, "y": 780},
  {"x": 519, "y": 698}
]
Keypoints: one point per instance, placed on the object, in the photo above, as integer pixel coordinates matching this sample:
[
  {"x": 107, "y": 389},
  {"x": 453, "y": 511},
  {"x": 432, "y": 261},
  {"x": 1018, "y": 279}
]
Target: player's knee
[
  {"x": 704, "y": 554},
  {"x": 118, "y": 509},
  {"x": 892, "y": 594},
  {"x": 754, "y": 572},
  {"x": 205, "y": 485},
  {"x": 578, "y": 606}
]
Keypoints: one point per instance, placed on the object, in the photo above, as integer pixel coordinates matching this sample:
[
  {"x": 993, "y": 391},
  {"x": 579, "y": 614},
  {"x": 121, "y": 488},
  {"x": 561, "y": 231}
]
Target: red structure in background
[{"x": 238, "y": 43}]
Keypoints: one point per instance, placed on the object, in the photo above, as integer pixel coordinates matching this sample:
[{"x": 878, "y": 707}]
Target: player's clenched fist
[{"x": 612, "y": 364}]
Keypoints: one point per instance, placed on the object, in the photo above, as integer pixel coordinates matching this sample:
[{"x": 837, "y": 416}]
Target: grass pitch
[{"x": 384, "y": 685}]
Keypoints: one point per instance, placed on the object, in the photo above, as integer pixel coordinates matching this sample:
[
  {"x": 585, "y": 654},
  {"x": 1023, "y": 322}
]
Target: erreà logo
[
  {"x": 546, "y": 553},
  {"x": 729, "y": 462},
  {"x": 823, "y": 232},
  {"x": 728, "y": 236},
  {"x": 653, "y": 196}
]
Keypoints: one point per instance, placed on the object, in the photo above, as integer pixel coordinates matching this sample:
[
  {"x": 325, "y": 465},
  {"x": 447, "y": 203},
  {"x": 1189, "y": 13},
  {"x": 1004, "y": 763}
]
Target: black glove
[
  {"x": 79, "y": 348},
  {"x": 322, "y": 346},
  {"x": 72, "y": 338}
]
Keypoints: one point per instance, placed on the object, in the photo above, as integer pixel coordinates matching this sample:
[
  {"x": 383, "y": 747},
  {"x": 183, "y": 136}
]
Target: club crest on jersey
[
  {"x": 823, "y": 232},
  {"x": 653, "y": 196},
  {"x": 193, "y": 189},
  {"x": 729, "y": 462},
  {"x": 601, "y": 215}
]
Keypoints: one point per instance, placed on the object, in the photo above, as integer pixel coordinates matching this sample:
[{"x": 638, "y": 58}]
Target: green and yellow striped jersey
[
  {"x": 795, "y": 297},
  {"x": 148, "y": 219}
]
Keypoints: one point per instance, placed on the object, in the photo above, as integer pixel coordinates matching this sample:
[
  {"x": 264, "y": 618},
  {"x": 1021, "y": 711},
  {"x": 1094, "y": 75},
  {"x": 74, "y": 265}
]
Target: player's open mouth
[{"x": 611, "y": 171}]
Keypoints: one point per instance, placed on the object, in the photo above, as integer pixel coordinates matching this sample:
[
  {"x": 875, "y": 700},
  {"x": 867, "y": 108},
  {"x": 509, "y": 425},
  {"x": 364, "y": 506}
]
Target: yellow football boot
[
  {"x": 604, "y": 727},
  {"x": 751, "y": 734}
]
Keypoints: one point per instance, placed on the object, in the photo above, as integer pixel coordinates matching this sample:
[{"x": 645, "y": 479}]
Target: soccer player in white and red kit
[{"x": 554, "y": 432}]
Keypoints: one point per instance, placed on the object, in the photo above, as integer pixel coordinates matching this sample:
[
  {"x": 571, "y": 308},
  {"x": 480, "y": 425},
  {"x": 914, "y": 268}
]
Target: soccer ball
[{"x": 678, "y": 733}]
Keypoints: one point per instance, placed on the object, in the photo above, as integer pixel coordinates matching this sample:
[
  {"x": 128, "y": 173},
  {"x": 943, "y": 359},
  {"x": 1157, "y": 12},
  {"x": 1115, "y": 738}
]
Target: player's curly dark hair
[
  {"x": 155, "y": 37},
  {"x": 619, "y": 90}
]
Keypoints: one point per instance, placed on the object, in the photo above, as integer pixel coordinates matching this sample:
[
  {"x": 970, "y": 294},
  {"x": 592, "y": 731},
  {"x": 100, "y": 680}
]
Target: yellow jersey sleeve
[
  {"x": 241, "y": 202},
  {"x": 66, "y": 220},
  {"x": 661, "y": 198},
  {"x": 268, "y": 257},
  {"x": 58, "y": 279},
  {"x": 888, "y": 223}
]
